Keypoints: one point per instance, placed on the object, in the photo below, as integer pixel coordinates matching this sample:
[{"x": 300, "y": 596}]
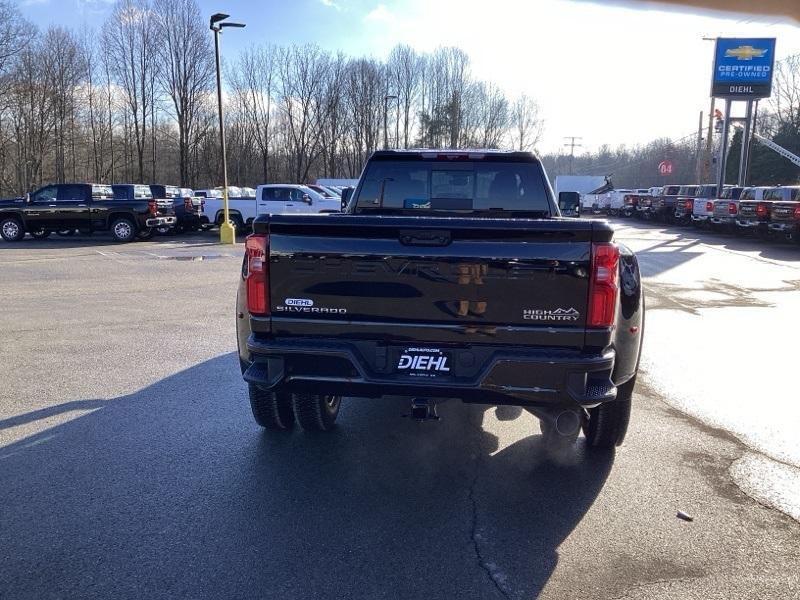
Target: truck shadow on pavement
[{"x": 173, "y": 491}]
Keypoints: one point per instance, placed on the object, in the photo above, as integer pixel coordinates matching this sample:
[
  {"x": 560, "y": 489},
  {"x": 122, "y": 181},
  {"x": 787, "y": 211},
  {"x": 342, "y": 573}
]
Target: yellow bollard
[{"x": 227, "y": 233}]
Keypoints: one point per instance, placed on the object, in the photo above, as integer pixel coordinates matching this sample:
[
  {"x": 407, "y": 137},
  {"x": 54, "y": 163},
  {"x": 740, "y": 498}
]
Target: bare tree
[
  {"x": 254, "y": 82},
  {"x": 65, "y": 69},
  {"x": 30, "y": 101},
  {"x": 526, "y": 123},
  {"x": 130, "y": 37},
  {"x": 785, "y": 101},
  {"x": 187, "y": 69},
  {"x": 364, "y": 91},
  {"x": 405, "y": 71},
  {"x": 15, "y": 34},
  {"x": 302, "y": 67},
  {"x": 335, "y": 118}
]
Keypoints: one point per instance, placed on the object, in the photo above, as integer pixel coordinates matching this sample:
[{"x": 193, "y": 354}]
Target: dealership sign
[{"x": 743, "y": 68}]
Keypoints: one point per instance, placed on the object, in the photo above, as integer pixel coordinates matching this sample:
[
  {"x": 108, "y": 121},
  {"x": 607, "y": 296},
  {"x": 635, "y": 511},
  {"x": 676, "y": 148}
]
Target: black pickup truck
[
  {"x": 87, "y": 207},
  {"x": 450, "y": 275}
]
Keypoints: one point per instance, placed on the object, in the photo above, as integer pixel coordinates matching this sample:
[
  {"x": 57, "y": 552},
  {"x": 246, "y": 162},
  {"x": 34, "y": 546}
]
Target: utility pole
[
  {"x": 750, "y": 143},
  {"x": 743, "y": 157},
  {"x": 723, "y": 146},
  {"x": 572, "y": 145},
  {"x": 699, "y": 165},
  {"x": 706, "y": 173}
]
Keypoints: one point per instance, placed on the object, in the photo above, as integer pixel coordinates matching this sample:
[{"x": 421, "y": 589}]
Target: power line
[{"x": 624, "y": 161}]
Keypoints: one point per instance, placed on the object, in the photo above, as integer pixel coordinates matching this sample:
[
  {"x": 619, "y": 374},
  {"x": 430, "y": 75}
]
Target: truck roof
[{"x": 464, "y": 154}]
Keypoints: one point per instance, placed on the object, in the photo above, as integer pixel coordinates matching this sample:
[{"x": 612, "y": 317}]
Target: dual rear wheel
[{"x": 280, "y": 410}]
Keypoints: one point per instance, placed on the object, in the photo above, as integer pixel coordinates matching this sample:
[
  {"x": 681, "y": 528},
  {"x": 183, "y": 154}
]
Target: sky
[{"x": 603, "y": 71}]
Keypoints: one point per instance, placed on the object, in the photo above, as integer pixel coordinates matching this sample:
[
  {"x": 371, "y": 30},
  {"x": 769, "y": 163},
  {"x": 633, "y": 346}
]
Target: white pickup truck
[{"x": 274, "y": 198}]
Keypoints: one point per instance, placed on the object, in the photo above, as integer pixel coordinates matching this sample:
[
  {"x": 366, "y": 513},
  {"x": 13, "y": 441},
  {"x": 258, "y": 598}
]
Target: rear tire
[
  {"x": 239, "y": 224},
  {"x": 315, "y": 412},
  {"x": 271, "y": 410},
  {"x": 123, "y": 230},
  {"x": 608, "y": 423},
  {"x": 11, "y": 229}
]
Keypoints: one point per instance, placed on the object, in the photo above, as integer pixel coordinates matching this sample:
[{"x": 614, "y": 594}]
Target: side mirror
[
  {"x": 568, "y": 200},
  {"x": 307, "y": 199},
  {"x": 347, "y": 193}
]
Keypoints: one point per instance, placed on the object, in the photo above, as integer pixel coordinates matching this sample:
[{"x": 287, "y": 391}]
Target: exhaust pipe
[
  {"x": 568, "y": 423},
  {"x": 563, "y": 421}
]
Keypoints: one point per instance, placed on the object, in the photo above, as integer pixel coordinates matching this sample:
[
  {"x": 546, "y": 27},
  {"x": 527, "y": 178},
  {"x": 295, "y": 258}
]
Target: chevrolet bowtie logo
[{"x": 745, "y": 53}]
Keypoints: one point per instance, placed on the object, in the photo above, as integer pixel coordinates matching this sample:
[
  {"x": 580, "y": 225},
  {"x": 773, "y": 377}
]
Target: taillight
[
  {"x": 603, "y": 287},
  {"x": 709, "y": 207},
  {"x": 187, "y": 204},
  {"x": 152, "y": 207},
  {"x": 257, "y": 282},
  {"x": 762, "y": 210},
  {"x": 732, "y": 210},
  {"x": 797, "y": 212}
]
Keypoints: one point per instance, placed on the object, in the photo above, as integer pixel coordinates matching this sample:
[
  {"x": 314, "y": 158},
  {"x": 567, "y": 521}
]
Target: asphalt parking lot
[{"x": 130, "y": 466}]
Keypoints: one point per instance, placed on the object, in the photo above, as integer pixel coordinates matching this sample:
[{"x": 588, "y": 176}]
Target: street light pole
[
  {"x": 385, "y": 123},
  {"x": 227, "y": 231}
]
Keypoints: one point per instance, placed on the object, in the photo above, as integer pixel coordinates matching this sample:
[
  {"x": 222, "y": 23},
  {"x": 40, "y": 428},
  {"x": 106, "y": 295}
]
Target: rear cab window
[
  {"x": 776, "y": 194},
  {"x": 731, "y": 193},
  {"x": 142, "y": 192},
  {"x": 496, "y": 187},
  {"x": 102, "y": 192}
]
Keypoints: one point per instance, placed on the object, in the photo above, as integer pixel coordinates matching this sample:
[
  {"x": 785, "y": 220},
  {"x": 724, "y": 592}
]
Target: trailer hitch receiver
[{"x": 423, "y": 409}]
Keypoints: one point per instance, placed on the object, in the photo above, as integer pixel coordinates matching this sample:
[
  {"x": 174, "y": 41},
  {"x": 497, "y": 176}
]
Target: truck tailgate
[{"x": 440, "y": 279}]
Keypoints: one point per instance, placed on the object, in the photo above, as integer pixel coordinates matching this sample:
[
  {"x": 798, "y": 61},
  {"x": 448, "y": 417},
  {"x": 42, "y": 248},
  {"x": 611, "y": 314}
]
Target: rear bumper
[
  {"x": 700, "y": 218},
  {"x": 749, "y": 223},
  {"x": 728, "y": 221},
  {"x": 159, "y": 221},
  {"x": 480, "y": 374},
  {"x": 784, "y": 227},
  {"x": 190, "y": 218}
]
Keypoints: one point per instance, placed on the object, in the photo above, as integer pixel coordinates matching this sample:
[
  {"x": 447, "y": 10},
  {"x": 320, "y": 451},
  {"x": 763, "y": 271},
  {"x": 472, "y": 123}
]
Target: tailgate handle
[{"x": 425, "y": 237}]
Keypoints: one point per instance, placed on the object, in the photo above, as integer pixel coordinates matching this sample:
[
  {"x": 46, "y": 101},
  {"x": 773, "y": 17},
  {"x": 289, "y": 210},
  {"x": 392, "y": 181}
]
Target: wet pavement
[
  {"x": 721, "y": 344},
  {"x": 130, "y": 466}
]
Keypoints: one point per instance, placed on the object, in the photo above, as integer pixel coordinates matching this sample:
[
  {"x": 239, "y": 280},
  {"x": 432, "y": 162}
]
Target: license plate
[{"x": 423, "y": 361}]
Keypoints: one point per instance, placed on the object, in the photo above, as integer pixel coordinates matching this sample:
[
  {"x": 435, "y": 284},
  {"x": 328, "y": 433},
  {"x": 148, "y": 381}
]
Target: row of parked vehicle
[
  {"x": 769, "y": 212},
  {"x": 137, "y": 211}
]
